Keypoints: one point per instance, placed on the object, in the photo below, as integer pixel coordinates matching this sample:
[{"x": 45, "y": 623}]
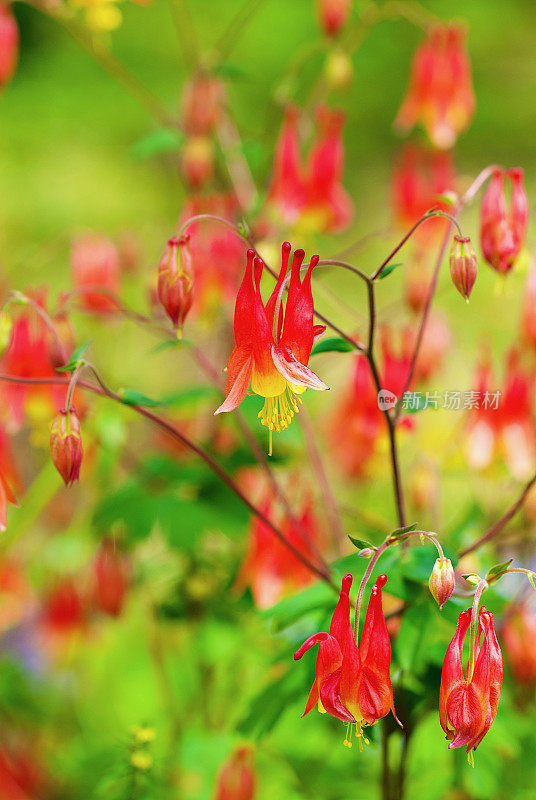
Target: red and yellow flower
[
  {"x": 353, "y": 683},
  {"x": 272, "y": 356},
  {"x": 468, "y": 700}
]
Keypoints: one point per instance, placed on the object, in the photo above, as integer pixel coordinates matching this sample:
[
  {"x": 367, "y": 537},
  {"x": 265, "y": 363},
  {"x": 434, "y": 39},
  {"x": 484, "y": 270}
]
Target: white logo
[{"x": 386, "y": 400}]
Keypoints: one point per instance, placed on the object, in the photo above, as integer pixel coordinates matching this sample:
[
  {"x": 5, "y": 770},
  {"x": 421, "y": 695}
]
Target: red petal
[{"x": 239, "y": 369}]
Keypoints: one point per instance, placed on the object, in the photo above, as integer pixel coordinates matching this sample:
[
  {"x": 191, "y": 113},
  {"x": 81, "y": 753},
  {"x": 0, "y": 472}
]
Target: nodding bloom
[
  {"x": 352, "y": 683},
  {"x": 201, "y": 104},
  {"x": 463, "y": 265},
  {"x": 270, "y": 568},
  {"x": 468, "y": 699},
  {"x": 442, "y": 581},
  {"x": 440, "y": 93},
  {"x": 272, "y": 355},
  {"x": 175, "y": 280},
  {"x": 9, "y": 43},
  {"x": 217, "y": 252},
  {"x": 66, "y": 445},
  {"x": 96, "y": 271},
  {"x": 9, "y": 477},
  {"x": 503, "y": 230},
  {"x": 237, "y": 779},
  {"x": 333, "y": 15},
  {"x": 28, "y": 356},
  {"x": 419, "y": 177},
  {"x": 501, "y": 420},
  {"x": 111, "y": 576},
  {"x": 311, "y": 196},
  {"x": 518, "y": 633}
]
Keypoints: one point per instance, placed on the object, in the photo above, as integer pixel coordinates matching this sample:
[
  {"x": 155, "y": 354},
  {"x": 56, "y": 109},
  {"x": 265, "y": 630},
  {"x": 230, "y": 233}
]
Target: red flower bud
[
  {"x": 463, "y": 266},
  {"x": 175, "y": 280},
  {"x": 201, "y": 104},
  {"x": 111, "y": 578},
  {"x": 333, "y": 15},
  {"x": 442, "y": 581},
  {"x": 502, "y": 230},
  {"x": 236, "y": 779},
  {"x": 197, "y": 161},
  {"x": 66, "y": 445},
  {"x": 9, "y": 44}
]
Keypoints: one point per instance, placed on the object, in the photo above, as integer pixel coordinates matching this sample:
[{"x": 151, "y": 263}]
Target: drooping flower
[
  {"x": 352, "y": 683},
  {"x": 272, "y": 355},
  {"x": 111, "y": 578},
  {"x": 468, "y": 701},
  {"x": 333, "y": 15},
  {"x": 501, "y": 421},
  {"x": 518, "y": 633},
  {"x": 270, "y": 568},
  {"x": 96, "y": 272},
  {"x": 311, "y": 197},
  {"x": 463, "y": 265},
  {"x": 176, "y": 279},
  {"x": 66, "y": 445},
  {"x": 440, "y": 93},
  {"x": 217, "y": 253},
  {"x": 503, "y": 230},
  {"x": 237, "y": 779},
  {"x": 420, "y": 177},
  {"x": 201, "y": 104},
  {"x": 442, "y": 581},
  {"x": 9, "y": 43}
]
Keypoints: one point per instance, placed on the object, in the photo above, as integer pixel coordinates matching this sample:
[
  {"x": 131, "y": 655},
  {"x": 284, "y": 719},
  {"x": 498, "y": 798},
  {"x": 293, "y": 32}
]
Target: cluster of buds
[
  {"x": 333, "y": 15},
  {"x": 463, "y": 265},
  {"x": 201, "y": 109},
  {"x": 175, "y": 280},
  {"x": 440, "y": 94},
  {"x": 9, "y": 43},
  {"x": 442, "y": 581},
  {"x": 503, "y": 231},
  {"x": 236, "y": 779},
  {"x": 66, "y": 445}
]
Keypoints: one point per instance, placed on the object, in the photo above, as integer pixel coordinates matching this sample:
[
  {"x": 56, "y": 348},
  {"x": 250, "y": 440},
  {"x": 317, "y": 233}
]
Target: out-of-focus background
[{"x": 190, "y": 659}]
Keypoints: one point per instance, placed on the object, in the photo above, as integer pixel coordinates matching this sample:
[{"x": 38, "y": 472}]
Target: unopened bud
[
  {"x": 442, "y": 581},
  {"x": 463, "y": 265},
  {"x": 333, "y": 15},
  {"x": 197, "y": 161},
  {"x": 366, "y": 552},
  {"x": 66, "y": 445},
  {"x": 175, "y": 280}
]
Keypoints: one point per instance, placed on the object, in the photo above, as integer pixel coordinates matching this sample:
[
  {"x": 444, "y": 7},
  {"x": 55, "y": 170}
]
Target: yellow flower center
[
  {"x": 359, "y": 725},
  {"x": 277, "y": 412}
]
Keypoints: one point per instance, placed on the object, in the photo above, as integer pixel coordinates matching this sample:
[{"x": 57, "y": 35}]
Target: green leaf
[
  {"x": 288, "y": 611},
  {"x": 231, "y": 71},
  {"x": 447, "y": 199},
  {"x": 401, "y": 533},
  {"x": 131, "y": 397},
  {"x": 473, "y": 579},
  {"x": 334, "y": 345},
  {"x": 169, "y": 344},
  {"x": 75, "y": 359},
  {"x": 498, "y": 570},
  {"x": 361, "y": 544},
  {"x": 387, "y": 270},
  {"x": 531, "y": 579},
  {"x": 155, "y": 143}
]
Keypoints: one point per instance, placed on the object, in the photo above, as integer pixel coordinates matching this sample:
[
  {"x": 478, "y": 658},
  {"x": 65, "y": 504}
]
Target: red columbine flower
[
  {"x": 175, "y": 280},
  {"x": 419, "y": 177},
  {"x": 468, "y": 702},
  {"x": 440, "y": 94},
  {"x": 9, "y": 43},
  {"x": 111, "y": 573},
  {"x": 66, "y": 445},
  {"x": 271, "y": 569},
  {"x": 333, "y": 15},
  {"x": 352, "y": 684},
  {"x": 502, "y": 420},
  {"x": 503, "y": 231},
  {"x": 313, "y": 196},
  {"x": 236, "y": 778},
  {"x": 217, "y": 252},
  {"x": 96, "y": 272},
  {"x": 272, "y": 357}
]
